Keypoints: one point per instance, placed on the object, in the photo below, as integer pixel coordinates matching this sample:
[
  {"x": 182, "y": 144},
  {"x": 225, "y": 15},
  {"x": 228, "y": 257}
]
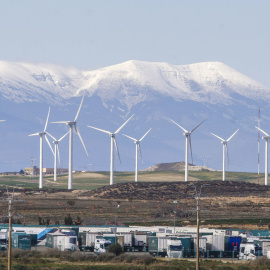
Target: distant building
[
  {"x": 35, "y": 171},
  {"x": 31, "y": 170}
]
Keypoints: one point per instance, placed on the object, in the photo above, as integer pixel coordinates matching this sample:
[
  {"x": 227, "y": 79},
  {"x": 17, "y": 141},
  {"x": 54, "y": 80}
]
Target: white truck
[
  {"x": 165, "y": 246},
  {"x": 3, "y": 240},
  {"x": 249, "y": 251},
  {"x": 101, "y": 245},
  {"x": 174, "y": 248},
  {"x": 62, "y": 241}
]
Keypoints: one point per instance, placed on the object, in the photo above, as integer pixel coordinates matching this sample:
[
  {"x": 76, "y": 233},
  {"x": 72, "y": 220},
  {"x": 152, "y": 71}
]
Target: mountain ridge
[{"x": 130, "y": 82}]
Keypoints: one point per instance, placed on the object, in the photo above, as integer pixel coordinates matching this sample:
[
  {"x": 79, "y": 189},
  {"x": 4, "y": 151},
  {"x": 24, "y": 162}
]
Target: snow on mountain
[
  {"x": 155, "y": 92},
  {"x": 22, "y": 82},
  {"x": 135, "y": 81},
  {"x": 130, "y": 82}
]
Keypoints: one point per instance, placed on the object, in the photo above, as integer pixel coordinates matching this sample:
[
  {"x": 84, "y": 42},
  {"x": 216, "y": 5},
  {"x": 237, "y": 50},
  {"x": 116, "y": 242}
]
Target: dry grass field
[{"x": 239, "y": 201}]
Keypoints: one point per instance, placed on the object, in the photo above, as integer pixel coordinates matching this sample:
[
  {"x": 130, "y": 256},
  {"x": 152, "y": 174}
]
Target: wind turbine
[
  {"x": 56, "y": 152},
  {"x": 41, "y": 135},
  {"x": 188, "y": 141},
  {"x": 225, "y": 148},
  {"x": 266, "y": 138},
  {"x": 113, "y": 141},
  {"x": 72, "y": 124},
  {"x": 137, "y": 142}
]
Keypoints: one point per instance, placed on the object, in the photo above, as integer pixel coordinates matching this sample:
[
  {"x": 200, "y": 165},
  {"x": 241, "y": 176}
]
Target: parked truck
[
  {"x": 62, "y": 241},
  {"x": 86, "y": 240},
  {"x": 165, "y": 246},
  {"x": 3, "y": 240},
  {"x": 101, "y": 245},
  {"x": 249, "y": 251}
]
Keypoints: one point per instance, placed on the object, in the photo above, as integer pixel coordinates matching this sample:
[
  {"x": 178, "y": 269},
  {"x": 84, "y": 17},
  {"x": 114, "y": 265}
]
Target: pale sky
[{"x": 89, "y": 34}]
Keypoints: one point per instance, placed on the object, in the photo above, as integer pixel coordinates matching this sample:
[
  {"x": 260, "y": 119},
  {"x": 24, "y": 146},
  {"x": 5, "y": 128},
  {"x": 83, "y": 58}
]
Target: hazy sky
[{"x": 89, "y": 34}]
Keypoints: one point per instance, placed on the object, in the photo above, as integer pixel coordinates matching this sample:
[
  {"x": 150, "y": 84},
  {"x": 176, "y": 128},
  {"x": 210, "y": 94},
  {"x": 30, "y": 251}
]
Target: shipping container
[{"x": 21, "y": 240}]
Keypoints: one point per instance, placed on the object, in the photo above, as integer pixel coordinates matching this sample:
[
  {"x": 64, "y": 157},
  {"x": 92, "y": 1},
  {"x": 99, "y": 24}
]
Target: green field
[{"x": 93, "y": 180}]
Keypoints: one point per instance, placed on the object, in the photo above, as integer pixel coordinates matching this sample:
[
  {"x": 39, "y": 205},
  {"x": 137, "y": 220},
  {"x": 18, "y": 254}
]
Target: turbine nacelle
[{"x": 71, "y": 123}]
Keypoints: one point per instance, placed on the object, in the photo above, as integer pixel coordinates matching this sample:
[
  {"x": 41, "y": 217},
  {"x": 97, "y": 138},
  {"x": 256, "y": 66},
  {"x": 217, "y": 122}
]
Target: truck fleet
[{"x": 153, "y": 240}]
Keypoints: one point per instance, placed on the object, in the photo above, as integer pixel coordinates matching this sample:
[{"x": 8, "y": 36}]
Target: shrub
[
  {"x": 105, "y": 257},
  {"x": 115, "y": 249},
  {"x": 261, "y": 261},
  {"x": 145, "y": 259},
  {"x": 71, "y": 202}
]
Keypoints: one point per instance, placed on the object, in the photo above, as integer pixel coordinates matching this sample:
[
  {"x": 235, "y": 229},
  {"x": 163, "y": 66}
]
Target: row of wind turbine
[{"x": 187, "y": 134}]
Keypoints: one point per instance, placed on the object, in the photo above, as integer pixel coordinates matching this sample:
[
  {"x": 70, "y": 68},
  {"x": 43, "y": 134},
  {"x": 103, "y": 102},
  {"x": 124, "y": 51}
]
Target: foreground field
[
  {"x": 56, "y": 260},
  {"x": 240, "y": 203},
  {"x": 93, "y": 180}
]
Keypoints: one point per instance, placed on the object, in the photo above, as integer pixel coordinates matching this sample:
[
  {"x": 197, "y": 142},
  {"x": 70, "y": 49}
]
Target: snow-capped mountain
[{"x": 155, "y": 92}]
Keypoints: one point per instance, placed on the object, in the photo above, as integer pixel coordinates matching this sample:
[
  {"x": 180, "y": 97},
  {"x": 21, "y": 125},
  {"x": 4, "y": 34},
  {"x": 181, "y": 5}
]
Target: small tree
[
  {"x": 78, "y": 221},
  {"x": 115, "y": 249},
  {"x": 68, "y": 220}
]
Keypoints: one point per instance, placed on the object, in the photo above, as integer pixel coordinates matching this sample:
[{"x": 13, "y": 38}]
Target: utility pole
[
  {"x": 197, "y": 197},
  {"x": 9, "y": 232},
  {"x": 10, "y": 199}
]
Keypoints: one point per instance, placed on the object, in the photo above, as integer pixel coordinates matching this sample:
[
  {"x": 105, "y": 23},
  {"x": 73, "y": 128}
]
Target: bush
[
  {"x": 145, "y": 259},
  {"x": 261, "y": 261},
  {"x": 115, "y": 249},
  {"x": 105, "y": 257}
]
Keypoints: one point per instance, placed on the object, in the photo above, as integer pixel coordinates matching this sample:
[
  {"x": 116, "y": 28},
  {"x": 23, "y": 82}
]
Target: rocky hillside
[{"x": 177, "y": 190}]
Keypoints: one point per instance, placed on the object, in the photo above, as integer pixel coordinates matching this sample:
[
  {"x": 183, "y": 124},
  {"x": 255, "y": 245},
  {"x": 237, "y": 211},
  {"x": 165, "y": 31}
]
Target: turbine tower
[
  {"x": 41, "y": 135},
  {"x": 137, "y": 142},
  {"x": 225, "y": 148},
  {"x": 72, "y": 124},
  {"x": 113, "y": 142},
  {"x": 188, "y": 141},
  {"x": 266, "y": 138},
  {"x": 56, "y": 153}
]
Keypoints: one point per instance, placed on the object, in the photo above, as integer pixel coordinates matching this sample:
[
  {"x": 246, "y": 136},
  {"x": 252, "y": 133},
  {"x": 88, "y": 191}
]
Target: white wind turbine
[
  {"x": 56, "y": 152},
  {"x": 113, "y": 142},
  {"x": 225, "y": 149},
  {"x": 41, "y": 134},
  {"x": 266, "y": 138},
  {"x": 137, "y": 142},
  {"x": 188, "y": 141},
  {"x": 72, "y": 124}
]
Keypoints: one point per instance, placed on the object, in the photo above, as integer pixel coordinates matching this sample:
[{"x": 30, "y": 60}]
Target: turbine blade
[
  {"x": 144, "y": 135},
  {"x": 179, "y": 126},
  {"x": 123, "y": 124},
  {"x": 58, "y": 153},
  {"x": 49, "y": 144},
  {"x": 190, "y": 147},
  {"x": 77, "y": 130},
  {"x": 102, "y": 130},
  {"x": 3, "y": 120},
  {"x": 115, "y": 143},
  {"x": 79, "y": 109},
  {"x": 198, "y": 125},
  {"x": 140, "y": 151},
  {"x": 50, "y": 135},
  {"x": 60, "y": 122},
  {"x": 35, "y": 134},
  {"x": 47, "y": 119},
  {"x": 262, "y": 131},
  {"x": 130, "y": 137},
  {"x": 217, "y": 137},
  {"x": 63, "y": 136},
  {"x": 233, "y": 134}
]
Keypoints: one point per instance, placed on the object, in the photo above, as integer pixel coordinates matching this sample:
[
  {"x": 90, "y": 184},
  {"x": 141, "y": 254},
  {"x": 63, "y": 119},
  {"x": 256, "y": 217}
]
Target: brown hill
[
  {"x": 177, "y": 190},
  {"x": 176, "y": 166}
]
